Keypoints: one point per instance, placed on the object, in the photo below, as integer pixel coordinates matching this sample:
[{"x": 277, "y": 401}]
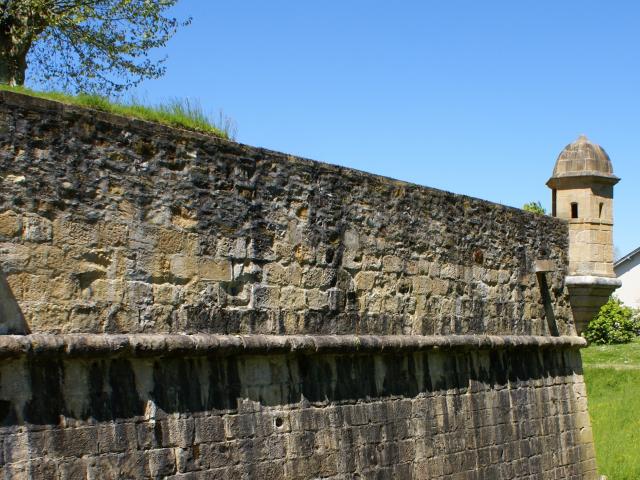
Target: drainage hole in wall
[{"x": 279, "y": 422}]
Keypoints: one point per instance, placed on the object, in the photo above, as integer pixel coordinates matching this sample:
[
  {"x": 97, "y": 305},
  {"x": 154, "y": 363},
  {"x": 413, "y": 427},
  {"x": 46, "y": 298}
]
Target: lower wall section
[{"x": 455, "y": 413}]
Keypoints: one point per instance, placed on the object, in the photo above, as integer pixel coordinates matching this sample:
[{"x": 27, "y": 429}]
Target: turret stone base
[{"x": 586, "y": 295}]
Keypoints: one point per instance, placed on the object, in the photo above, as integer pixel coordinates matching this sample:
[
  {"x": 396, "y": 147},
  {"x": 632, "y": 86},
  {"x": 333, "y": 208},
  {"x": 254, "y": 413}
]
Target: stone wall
[
  {"x": 181, "y": 306},
  {"x": 389, "y": 410},
  {"x": 116, "y": 225}
]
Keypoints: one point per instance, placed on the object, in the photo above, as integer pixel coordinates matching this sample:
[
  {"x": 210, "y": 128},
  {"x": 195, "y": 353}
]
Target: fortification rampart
[
  {"x": 188, "y": 307},
  {"x": 115, "y": 225}
]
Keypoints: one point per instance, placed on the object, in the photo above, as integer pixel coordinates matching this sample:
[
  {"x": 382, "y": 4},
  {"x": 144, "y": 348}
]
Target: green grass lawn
[{"x": 612, "y": 375}]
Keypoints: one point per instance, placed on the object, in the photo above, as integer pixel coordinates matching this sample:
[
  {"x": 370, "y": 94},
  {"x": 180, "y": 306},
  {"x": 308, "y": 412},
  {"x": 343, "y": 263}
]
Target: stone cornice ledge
[
  {"x": 136, "y": 345},
  {"x": 579, "y": 280}
]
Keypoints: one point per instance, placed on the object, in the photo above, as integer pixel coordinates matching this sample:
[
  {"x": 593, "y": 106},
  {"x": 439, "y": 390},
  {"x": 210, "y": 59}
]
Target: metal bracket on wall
[{"x": 542, "y": 267}]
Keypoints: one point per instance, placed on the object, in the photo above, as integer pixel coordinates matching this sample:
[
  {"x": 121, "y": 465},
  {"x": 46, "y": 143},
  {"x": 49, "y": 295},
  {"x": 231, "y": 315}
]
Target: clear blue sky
[{"x": 471, "y": 97}]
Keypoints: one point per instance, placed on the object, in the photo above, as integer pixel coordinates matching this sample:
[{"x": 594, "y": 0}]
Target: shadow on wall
[
  {"x": 12, "y": 320},
  {"x": 120, "y": 388}
]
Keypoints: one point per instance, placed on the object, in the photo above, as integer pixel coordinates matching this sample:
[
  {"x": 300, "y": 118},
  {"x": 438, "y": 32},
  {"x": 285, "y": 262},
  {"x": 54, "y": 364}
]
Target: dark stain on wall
[
  {"x": 47, "y": 401},
  {"x": 179, "y": 384}
]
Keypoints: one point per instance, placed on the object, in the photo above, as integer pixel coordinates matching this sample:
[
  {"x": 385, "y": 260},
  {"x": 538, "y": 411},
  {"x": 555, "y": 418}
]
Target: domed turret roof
[{"x": 581, "y": 158}]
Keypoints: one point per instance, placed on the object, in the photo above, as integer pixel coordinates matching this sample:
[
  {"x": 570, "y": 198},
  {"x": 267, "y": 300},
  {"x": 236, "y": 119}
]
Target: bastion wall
[{"x": 180, "y": 306}]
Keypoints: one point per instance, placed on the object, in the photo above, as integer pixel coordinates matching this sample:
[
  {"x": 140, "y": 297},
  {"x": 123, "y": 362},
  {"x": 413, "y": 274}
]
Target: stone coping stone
[{"x": 140, "y": 345}]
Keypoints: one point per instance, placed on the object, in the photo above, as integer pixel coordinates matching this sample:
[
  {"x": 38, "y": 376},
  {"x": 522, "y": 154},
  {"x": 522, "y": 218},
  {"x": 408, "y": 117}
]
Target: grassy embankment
[
  {"x": 612, "y": 375},
  {"x": 180, "y": 113}
]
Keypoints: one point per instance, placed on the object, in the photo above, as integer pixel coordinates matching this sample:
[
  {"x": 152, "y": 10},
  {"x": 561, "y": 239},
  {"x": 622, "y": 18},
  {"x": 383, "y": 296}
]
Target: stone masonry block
[
  {"x": 209, "y": 429},
  {"x": 162, "y": 462},
  {"x": 391, "y": 263},
  {"x": 292, "y": 298},
  {"x": 170, "y": 241},
  {"x": 183, "y": 266},
  {"x": 265, "y": 297},
  {"x": 214, "y": 270},
  {"x": 10, "y": 224},
  {"x": 71, "y": 232},
  {"x": 36, "y": 229}
]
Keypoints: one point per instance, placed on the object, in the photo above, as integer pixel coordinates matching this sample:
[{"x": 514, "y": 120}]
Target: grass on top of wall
[
  {"x": 612, "y": 375},
  {"x": 182, "y": 113}
]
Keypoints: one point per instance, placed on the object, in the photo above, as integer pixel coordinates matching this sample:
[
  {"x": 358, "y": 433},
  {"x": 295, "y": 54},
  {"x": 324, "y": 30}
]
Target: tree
[
  {"x": 98, "y": 46},
  {"x": 615, "y": 323},
  {"x": 534, "y": 207}
]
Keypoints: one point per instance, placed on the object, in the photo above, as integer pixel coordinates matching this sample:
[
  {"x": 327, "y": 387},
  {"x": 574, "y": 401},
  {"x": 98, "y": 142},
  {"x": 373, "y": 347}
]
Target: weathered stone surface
[
  {"x": 480, "y": 413},
  {"x": 340, "y": 325},
  {"x": 197, "y": 234}
]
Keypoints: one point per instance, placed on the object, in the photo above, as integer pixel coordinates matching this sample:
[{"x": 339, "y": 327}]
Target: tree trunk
[
  {"x": 13, "y": 53},
  {"x": 12, "y": 66}
]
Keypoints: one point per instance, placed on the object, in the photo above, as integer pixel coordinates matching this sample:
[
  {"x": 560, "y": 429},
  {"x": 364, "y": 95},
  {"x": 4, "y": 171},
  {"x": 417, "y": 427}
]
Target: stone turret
[{"x": 582, "y": 193}]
